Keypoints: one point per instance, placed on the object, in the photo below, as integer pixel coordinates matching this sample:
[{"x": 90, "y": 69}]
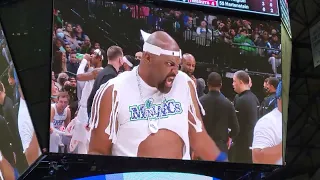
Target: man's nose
[{"x": 175, "y": 70}]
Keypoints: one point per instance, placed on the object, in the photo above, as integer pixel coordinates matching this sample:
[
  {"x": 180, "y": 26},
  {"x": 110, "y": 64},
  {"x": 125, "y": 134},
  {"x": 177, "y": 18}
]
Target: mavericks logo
[{"x": 155, "y": 111}]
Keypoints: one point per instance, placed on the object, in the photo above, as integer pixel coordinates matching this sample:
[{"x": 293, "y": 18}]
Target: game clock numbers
[{"x": 267, "y": 7}]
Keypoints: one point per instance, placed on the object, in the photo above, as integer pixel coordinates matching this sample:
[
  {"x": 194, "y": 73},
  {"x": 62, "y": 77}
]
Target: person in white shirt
[
  {"x": 267, "y": 139},
  {"x": 59, "y": 119},
  {"x": 151, "y": 111},
  {"x": 80, "y": 136}
]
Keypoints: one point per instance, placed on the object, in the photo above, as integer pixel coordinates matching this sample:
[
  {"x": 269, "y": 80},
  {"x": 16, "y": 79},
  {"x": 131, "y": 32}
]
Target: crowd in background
[{"x": 244, "y": 39}]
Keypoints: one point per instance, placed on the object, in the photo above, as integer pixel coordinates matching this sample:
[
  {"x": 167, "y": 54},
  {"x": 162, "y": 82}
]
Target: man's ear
[{"x": 146, "y": 56}]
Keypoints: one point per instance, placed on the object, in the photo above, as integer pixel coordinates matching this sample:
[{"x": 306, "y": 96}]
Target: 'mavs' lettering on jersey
[
  {"x": 57, "y": 123},
  {"x": 155, "y": 111}
]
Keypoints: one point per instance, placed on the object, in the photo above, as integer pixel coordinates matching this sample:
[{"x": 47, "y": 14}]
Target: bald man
[
  {"x": 188, "y": 65},
  {"x": 159, "y": 118}
]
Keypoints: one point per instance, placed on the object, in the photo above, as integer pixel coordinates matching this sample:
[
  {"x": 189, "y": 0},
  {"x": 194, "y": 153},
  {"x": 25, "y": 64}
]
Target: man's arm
[
  {"x": 68, "y": 119},
  {"x": 201, "y": 143},
  {"x": 233, "y": 123},
  {"x": 6, "y": 169},
  {"x": 32, "y": 152},
  {"x": 98, "y": 134},
  {"x": 82, "y": 66},
  {"x": 269, "y": 155},
  {"x": 89, "y": 75},
  {"x": 52, "y": 113},
  {"x": 264, "y": 151}
]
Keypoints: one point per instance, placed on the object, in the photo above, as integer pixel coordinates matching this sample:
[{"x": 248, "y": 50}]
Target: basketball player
[
  {"x": 79, "y": 138},
  {"x": 151, "y": 111},
  {"x": 59, "y": 119},
  {"x": 267, "y": 139},
  {"x": 128, "y": 63}
]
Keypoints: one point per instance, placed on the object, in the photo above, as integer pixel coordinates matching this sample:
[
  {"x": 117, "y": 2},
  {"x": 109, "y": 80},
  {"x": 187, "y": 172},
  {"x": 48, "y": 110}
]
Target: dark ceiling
[{"x": 303, "y": 138}]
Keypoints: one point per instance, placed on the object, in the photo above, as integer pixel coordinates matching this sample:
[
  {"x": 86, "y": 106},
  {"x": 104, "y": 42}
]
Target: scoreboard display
[{"x": 267, "y": 7}]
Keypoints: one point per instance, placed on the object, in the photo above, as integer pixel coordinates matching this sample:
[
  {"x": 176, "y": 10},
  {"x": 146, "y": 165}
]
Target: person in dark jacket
[
  {"x": 220, "y": 114},
  {"x": 7, "y": 150},
  {"x": 246, "y": 105},
  {"x": 115, "y": 61},
  {"x": 269, "y": 102}
]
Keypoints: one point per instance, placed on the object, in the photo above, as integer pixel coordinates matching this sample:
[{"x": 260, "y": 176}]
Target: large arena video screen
[
  {"x": 19, "y": 146},
  {"x": 139, "y": 81}
]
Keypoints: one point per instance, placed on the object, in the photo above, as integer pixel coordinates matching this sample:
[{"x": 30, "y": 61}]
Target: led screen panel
[
  {"x": 116, "y": 89},
  {"x": 149, "y": 176},
  {"x": 284, "y": 7},
  {"x": 267, "y": 7},
  {"x": 19, "y": 146}
]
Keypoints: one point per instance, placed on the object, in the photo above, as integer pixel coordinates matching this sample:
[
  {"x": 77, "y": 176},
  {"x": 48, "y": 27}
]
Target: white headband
[
  {"x": 147, "y": 47},
  {"x": 127, "y": 61},
  {"x": 99, "y": 53}
]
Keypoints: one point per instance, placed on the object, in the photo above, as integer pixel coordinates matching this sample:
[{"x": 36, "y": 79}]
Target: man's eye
[{"x": 170, "y": 64}]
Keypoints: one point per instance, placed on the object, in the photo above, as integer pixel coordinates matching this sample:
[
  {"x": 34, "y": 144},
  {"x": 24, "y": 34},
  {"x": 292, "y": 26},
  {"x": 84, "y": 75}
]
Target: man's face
[
  {"x": 203, "y": 24},
  {"x": 97, "y": 46},
  {"x": 73, "y": 82},
  {"x": 270, "y": 88},
  {"x": 78, "y": 29},
  {"x": 266, "y": 87},
  {"x": 164, "y": 69},
  {"x": 68, "y": 48},
  {"x": 275, "y": 38},
  {"x": 58, "y": 43},
  {"x": 126, "y": 67},
  {"x": 236, "y": 84},
  {"x": 63, "y": 102},
  {"x": 138, "y": 56},
  {"x": 73, "y": 58},
  {"x": 233, "y": 32},
  {"x": 190, "y": 21},
  {"x": 188, "y": 66},
  {"x": 95, "y": 59}
]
